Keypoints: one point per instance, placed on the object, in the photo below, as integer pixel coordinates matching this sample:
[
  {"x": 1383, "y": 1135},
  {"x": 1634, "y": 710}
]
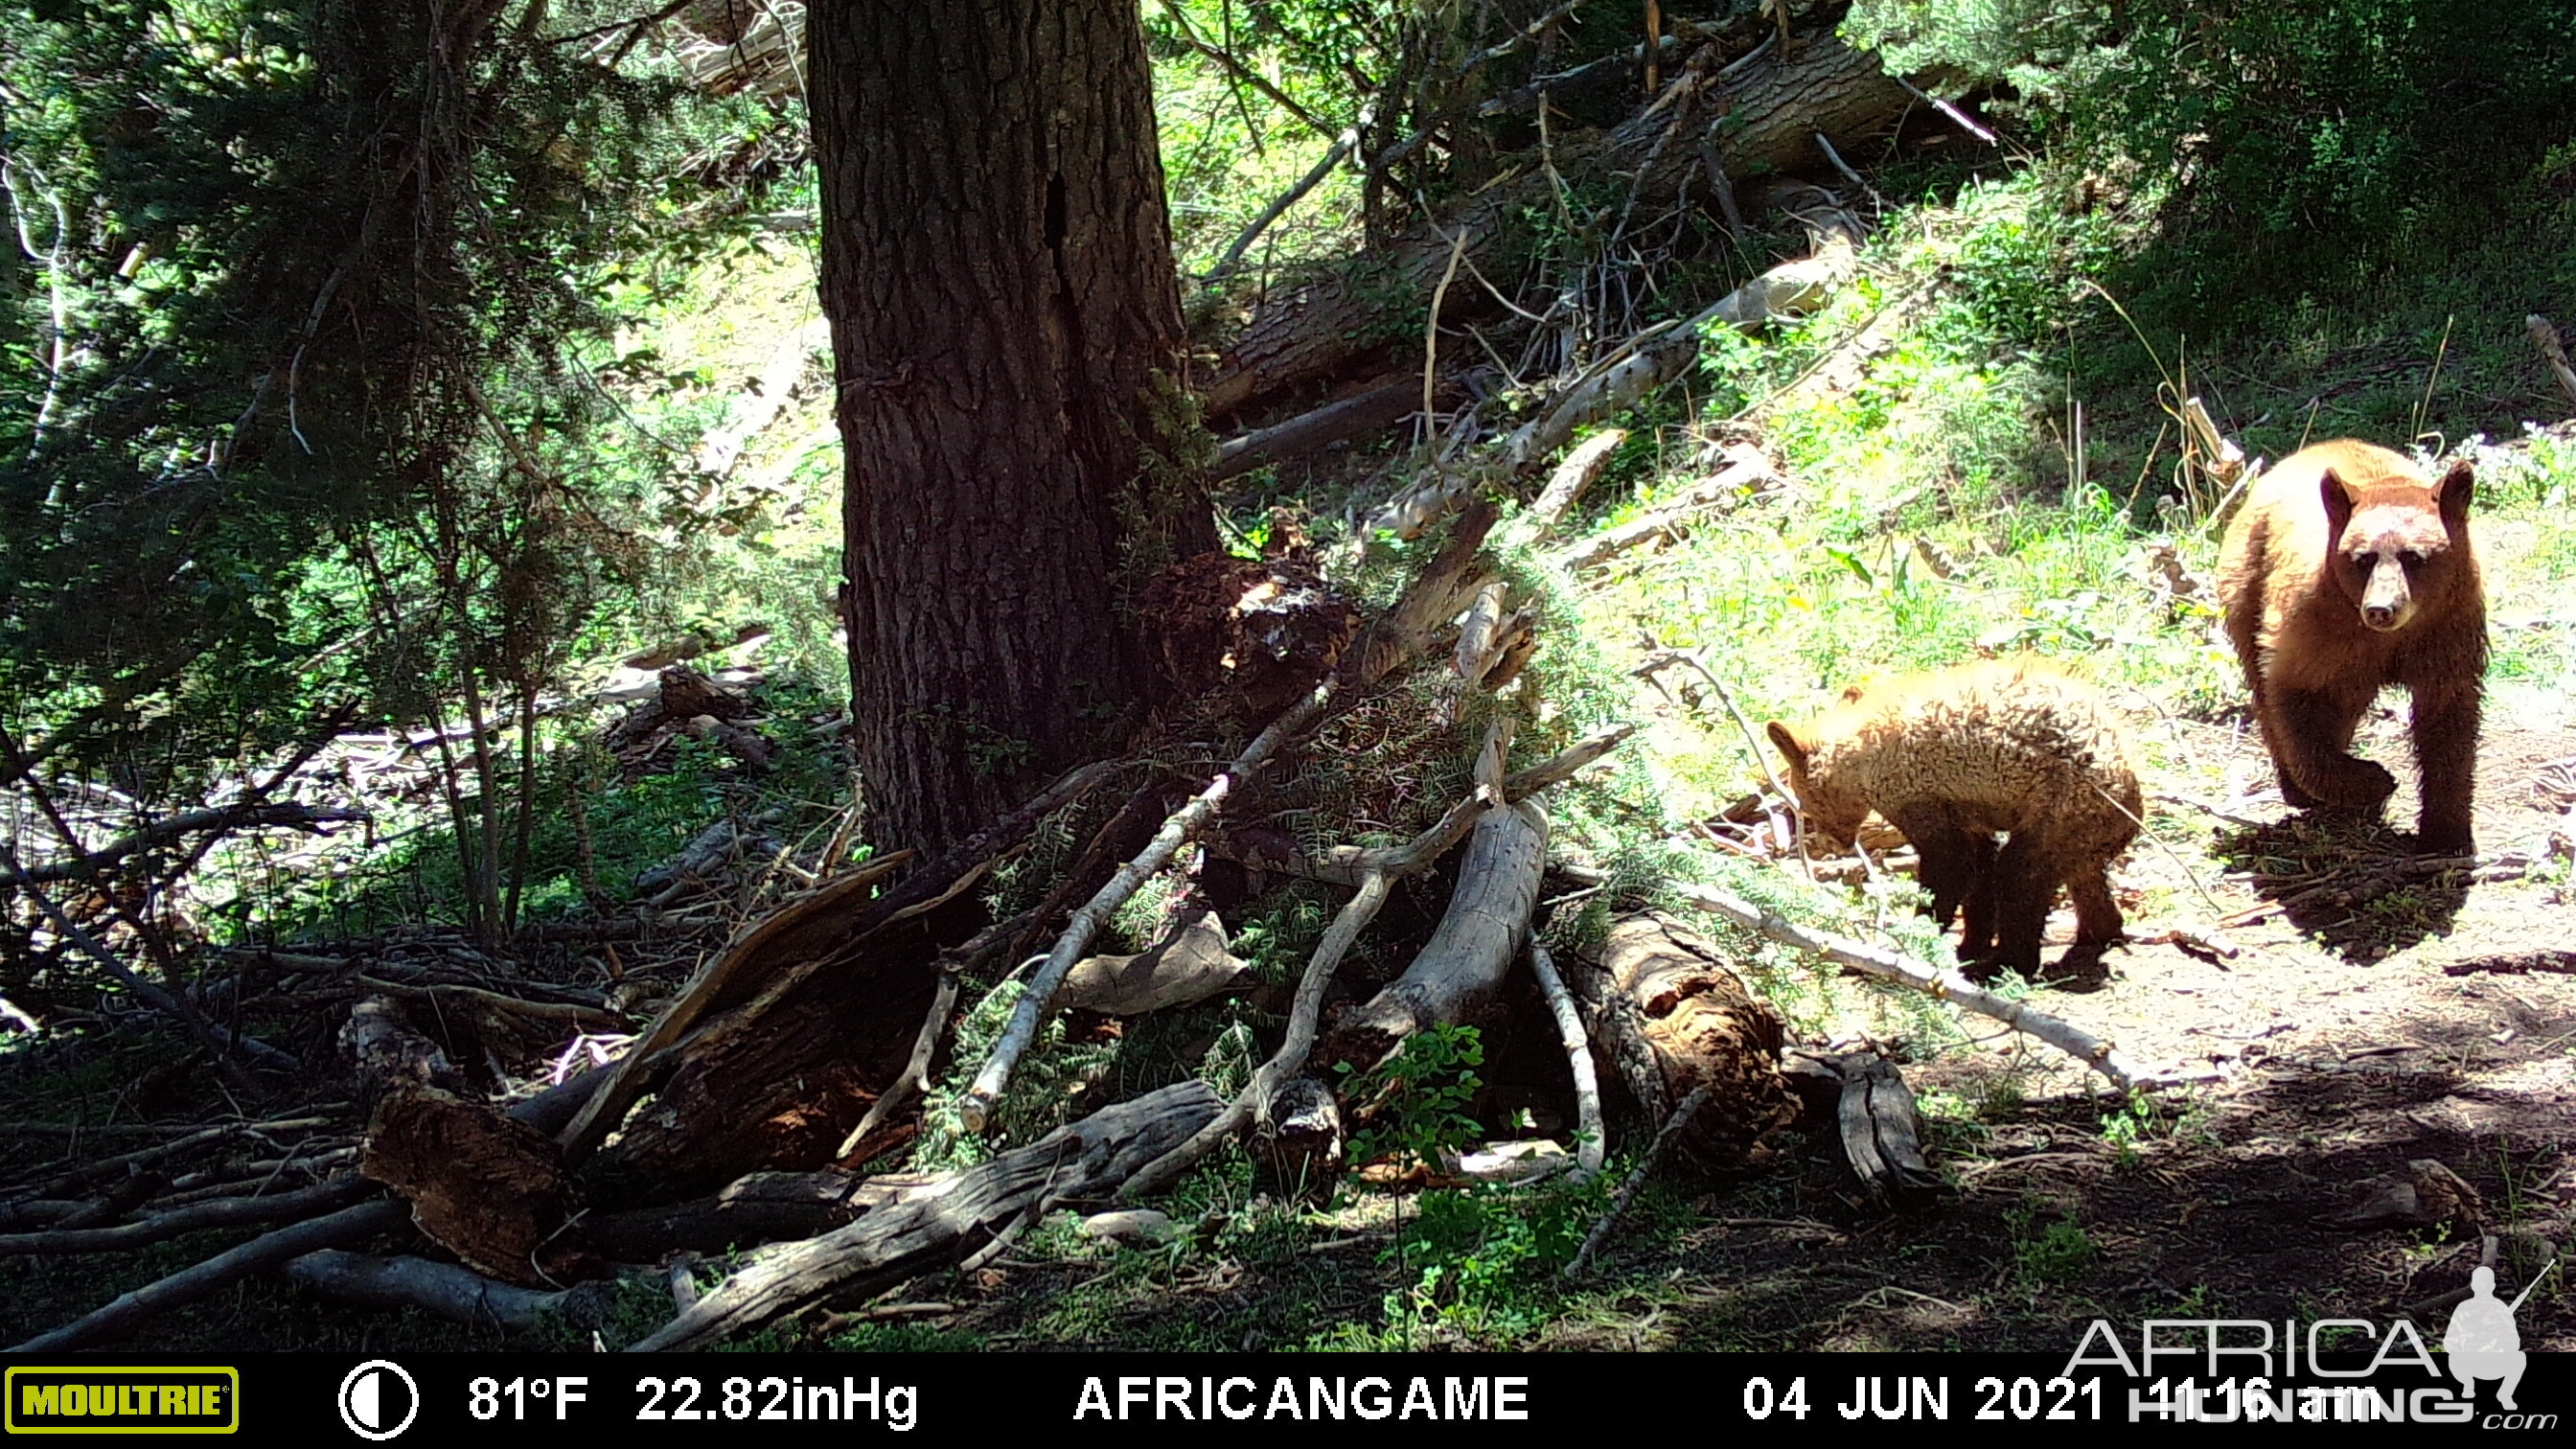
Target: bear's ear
[
  {"x": 1788, "y": 743},
  {"x": 2338, "y": 500},
  {"x": 2453, "y": 491}
]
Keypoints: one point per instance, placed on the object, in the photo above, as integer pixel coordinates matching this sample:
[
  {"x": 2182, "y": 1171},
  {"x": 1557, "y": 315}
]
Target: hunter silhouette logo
[{"x": 2482, "y": 1340}]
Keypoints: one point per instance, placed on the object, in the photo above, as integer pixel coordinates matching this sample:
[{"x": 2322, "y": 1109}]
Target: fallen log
[
  {"x": 969, "y": 1212},
  {"x": 727, "y": 980},
  {"x": 762, "y": 1207},
  {"x": 1373, "y": 408},
  {"x": 488, "y": 1188},
  {"x": 1764, "y": 118},
  {"x": 1675, "y": 1022},
  {"x": 459, "y": 1295},
  {"x": 798, "y": 1028},
  {"x": 1462, "y": 966}
]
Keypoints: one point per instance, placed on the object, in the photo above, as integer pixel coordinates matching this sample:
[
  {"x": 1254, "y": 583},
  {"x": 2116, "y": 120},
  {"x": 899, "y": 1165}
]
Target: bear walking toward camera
[
  {"x": 2348, "y": 569},
  {"x": 1957, "y": 757}
]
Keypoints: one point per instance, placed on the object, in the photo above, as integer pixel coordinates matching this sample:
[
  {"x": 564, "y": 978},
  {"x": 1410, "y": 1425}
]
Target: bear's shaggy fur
[
  {"x": 1957, "y": 757},
  {"x": 2349, "y": 569}
]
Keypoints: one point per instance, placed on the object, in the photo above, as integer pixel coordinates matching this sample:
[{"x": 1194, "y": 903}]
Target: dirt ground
[{"x": 2371, "y": 1018}]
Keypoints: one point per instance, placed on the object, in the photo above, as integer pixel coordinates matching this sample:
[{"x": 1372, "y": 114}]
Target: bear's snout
[{"x": 2387, "y": 604}]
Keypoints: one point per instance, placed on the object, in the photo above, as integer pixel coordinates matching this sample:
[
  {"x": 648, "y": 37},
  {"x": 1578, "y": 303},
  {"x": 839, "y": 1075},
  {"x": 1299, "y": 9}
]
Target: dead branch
[
  {"x": 221, "y": 1213},
  {"x": 1887, "y": 965},
  {"x": 1284, "y": 1063},
  {"x": 2216, "y": 456},
  {"x": 1225, "y": 265},
  {"x": 220, "y": 820},
  {"x": 1463, "y": 963},
  {"x": 760, "y": 1207},
  {"x": 916, "y": 1068},
  {"x": 972, "y": 1210},
  {"x": 457, "y": 1294},
  {"x": 1571, "y": 477},
  {"x": 1477, "y": 635},
  {"x": 1247, "y": 74},
  {"x": 177, "y": 1008},
  {"x": 588, "y": 1016},
  {"x": 1373, "y": 871},
  {"x": 1745, "y": 469},
  {"x": 1565, "y": 764},
  {"x": 1672, "y": 1128},
  {"x": 1432, "y": 598},
  {"x": 126, "y": 1163},
  {"x": 349, "y": 1225},
  {"x": 1661, "y": 354},
  {"x": 1588, "y": 1141},
  {"x": 975, "y": 1108}
]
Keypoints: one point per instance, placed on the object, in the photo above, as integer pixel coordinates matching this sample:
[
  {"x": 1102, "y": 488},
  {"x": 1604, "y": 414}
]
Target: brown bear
[
  {"x": 1955, "y": 758},
  {"x": 2349, "y": 569}
]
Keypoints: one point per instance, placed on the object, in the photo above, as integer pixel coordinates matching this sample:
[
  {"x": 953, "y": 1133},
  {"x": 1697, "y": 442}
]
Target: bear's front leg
[
  {"x": 2446, "y": 759},
  {"x": 1977, "y": 926},
  {"x": 1945, "y": 856},
  {"x": 2024, "y": 888},
  {"x": 2312, "y": 742}
]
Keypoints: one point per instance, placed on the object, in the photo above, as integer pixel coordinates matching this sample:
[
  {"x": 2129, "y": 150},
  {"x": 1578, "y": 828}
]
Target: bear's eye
[
  {"x": 2366, "y": 560},
  {"x": 2411, "y": 557}
]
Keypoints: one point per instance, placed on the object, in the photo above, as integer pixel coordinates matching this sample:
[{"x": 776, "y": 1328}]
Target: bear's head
[
  {"x": 2399, "y": 541},
  {"x": 1834, "y": 814}
]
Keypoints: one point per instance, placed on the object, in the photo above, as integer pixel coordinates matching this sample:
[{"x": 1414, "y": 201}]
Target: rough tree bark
[{"x": 1007, "y": 336}]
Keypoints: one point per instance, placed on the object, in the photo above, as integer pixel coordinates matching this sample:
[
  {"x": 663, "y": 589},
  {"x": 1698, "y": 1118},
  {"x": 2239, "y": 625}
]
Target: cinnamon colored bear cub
[
  {"x": 2349, "y": 569},
  {"x": 1957, "y": 757}
]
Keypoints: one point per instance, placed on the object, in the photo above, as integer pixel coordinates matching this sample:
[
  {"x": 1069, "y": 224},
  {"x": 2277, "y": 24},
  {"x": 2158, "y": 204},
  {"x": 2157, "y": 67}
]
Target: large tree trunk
[{"x": 997, "y": 268}]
